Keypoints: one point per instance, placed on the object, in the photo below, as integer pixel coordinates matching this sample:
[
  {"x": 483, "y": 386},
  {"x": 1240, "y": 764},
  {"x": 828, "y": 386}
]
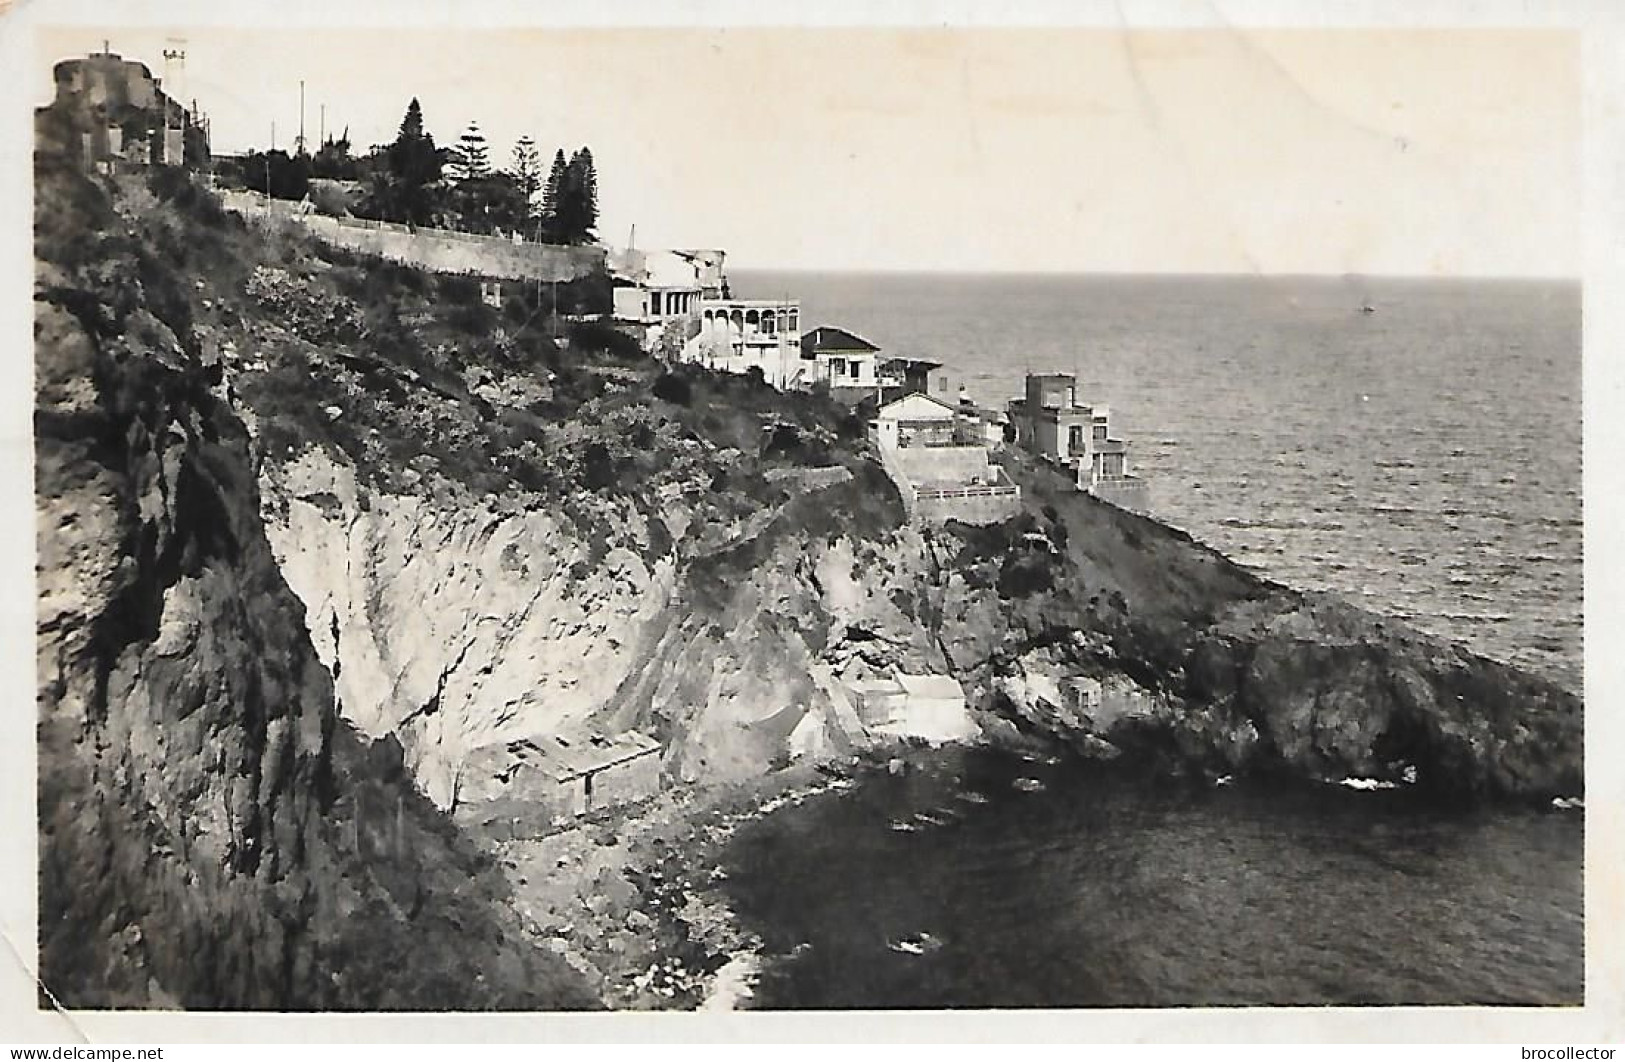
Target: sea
[{"x": 1411, "y": 445}]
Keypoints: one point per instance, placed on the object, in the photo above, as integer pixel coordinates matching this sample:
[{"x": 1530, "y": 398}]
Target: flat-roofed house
[
  {"x": 657, "y": 290},
  {"x": 1051, "y": 423},
  {"x": 571, "y": 775},
  {"x": 110, "y": 113},
  {"x": 927, "y": 707}
]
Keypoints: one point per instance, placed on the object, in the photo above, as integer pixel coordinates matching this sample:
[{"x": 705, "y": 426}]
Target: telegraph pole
[{"x": 299, "y": 145}]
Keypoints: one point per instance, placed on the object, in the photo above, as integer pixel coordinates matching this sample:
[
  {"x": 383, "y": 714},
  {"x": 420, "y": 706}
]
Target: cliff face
[
  {"x": 313, "y": 533},
  {"x": 492, "y": 547},
  {"x": 211, "y": 833},
  {"x": 458, "y": 626}
]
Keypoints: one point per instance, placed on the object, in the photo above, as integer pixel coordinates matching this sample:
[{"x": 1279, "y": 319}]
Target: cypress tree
[
  {"x": 553, "y": 196},
  {"x": 412, "y": 124},
  {"x": 578, "y": 201},
  {"x": 413, "y": 164},
  {"x": 587, "y": 190}
]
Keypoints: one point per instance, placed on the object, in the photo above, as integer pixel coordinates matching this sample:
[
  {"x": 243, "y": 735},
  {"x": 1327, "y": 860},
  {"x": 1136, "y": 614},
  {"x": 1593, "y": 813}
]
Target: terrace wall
[{"x": 437, "y": 250}]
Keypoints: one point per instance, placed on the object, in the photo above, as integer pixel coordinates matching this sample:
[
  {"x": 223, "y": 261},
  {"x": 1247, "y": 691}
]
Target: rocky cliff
[
  {"x": 316, "y": 533},
  {"x": 495, "y": 538},
  {"x": 212, "y": 834}
]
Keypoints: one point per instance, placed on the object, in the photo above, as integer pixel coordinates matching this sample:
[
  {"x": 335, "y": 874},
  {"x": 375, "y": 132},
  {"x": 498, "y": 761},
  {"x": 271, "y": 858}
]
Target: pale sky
[{"x": 1449, "y": 152}]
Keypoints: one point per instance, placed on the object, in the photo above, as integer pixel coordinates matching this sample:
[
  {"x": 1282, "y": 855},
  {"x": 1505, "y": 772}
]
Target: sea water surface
[{"x": 1423, "y": 460}]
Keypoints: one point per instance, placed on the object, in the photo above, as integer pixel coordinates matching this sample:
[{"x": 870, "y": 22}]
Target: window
[
  {"x": 837, "y": 366},
  {"x": 1075, "y": 437},
  {"x": 856, "y": 365}
]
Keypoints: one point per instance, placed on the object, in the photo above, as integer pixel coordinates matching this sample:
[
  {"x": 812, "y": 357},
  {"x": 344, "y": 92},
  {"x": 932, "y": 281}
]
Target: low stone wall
[
  {"x": 980, "y": 507},
  {"x": 626, "y": 783},
  {"x": 956, "y": 465},
  {"x": 1133, "y": 494},
  {"x": 942, "y": 483},
  {"x": 437, "y": 250}
]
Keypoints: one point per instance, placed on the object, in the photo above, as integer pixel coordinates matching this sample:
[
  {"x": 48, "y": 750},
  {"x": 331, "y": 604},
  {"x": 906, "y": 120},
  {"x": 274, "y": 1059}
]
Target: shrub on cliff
[
  {"x": 674, "y": 389},
  {"x": 472, "y": 319},
  {"x": 306, "y": 309},
  {"x": 175, "y": 186},
  {"x": 797, "y": 446},
  {"x": 598, "y": 469},
  {"x": 1025, "y": 575},
  {"x": 593, "y": 337}
]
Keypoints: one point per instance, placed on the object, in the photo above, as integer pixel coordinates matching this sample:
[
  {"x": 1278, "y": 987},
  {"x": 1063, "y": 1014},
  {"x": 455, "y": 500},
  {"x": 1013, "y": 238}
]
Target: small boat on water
[
  {"x": 1367, "y": 308},
  {"x": 1367, "y": 784},
  {"x": 971, "y": 796},
  {"x": 1028, "y": 785},
  {"x": 903, "y": 827},
  {"x": 916, "y": 944}
]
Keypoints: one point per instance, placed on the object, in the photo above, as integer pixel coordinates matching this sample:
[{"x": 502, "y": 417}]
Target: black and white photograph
[{"x": 1077, "y": 514}]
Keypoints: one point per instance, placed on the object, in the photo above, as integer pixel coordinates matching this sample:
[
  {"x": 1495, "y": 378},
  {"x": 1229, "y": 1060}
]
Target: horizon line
[{"x": 1172, "y": 274}]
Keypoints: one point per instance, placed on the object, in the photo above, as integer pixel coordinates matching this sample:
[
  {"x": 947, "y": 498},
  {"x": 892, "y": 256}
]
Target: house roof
[
  {"x": 912, "y": 363},
  {"x": 826, "y": 338},
  {"x": 563, "y": 758},
  {"x": 916, "y": 406},
  {"x": 874, "y": 686},
  {"x": 933, "y": 687},
  {"x": 670, "y": 269}
]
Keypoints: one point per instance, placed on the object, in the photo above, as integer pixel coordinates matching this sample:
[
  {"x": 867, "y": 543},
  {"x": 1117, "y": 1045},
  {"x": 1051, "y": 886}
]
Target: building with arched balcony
[{"x": 738, "y": 335}]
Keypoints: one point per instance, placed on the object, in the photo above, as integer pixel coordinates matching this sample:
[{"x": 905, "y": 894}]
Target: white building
[
  {"x": 738, "y": 335},
  {"x": 655, "y": 286},
  {"x": 841, "y": 360},
  {"x": 938, "y": 456},
  {"x": 928, "y": 707}
]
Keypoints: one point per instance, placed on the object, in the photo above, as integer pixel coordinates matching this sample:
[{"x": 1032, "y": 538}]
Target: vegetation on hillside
[
  {"x": 423, "y": 387},
  {"x": 413, "y": 180}
]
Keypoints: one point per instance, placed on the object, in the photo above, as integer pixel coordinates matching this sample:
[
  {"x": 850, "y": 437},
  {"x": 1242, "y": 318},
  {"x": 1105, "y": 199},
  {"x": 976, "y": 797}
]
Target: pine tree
[
  {"x": 527, "y": 168},
  {"x": 473, "y": 159}
]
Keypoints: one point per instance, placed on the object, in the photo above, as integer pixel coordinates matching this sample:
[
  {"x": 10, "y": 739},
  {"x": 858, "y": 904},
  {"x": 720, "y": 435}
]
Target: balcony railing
[{"x": 942, "y": 493}]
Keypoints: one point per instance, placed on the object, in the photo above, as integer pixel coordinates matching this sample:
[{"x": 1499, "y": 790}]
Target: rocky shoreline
[{"x": 631, "y": 900}]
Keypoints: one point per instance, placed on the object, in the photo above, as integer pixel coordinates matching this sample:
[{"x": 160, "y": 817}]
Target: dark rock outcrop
[
  {"x": 211, "y": 833},
  {"x": 1246, "y": 674}
]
